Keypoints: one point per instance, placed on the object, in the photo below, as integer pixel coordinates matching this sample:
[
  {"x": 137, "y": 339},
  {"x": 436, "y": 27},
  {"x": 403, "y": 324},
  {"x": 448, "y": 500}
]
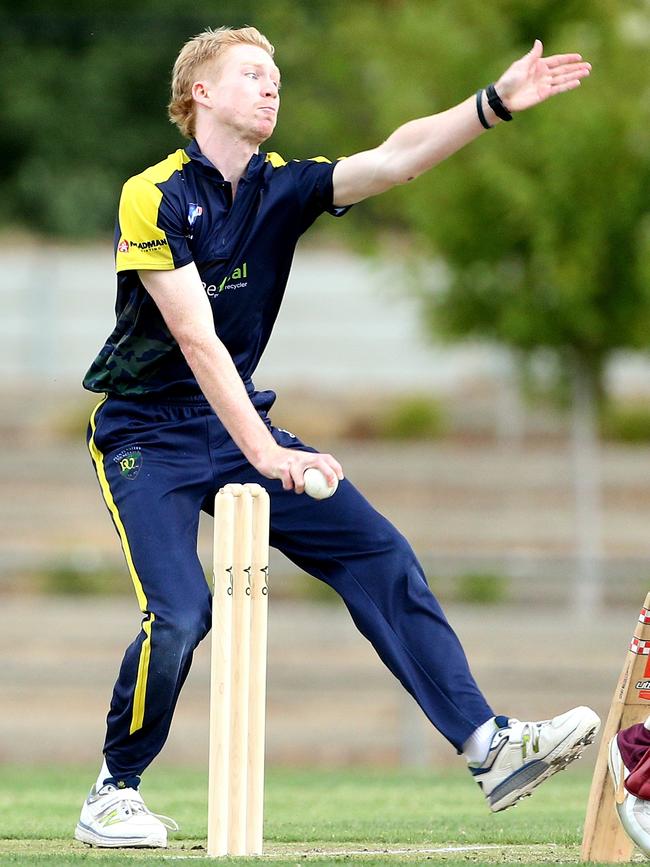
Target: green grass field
[{"x": 354, "y": 816}]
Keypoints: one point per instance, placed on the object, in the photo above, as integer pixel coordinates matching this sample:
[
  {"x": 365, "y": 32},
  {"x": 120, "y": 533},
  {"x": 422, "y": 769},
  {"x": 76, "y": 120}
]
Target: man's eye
[{"x": 253, "y": 74}]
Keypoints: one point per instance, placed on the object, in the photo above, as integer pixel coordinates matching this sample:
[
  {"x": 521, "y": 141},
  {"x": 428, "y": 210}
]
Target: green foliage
[
  {"x": 627, "y": 423},
  {"x": 481, "y": 588},
  {"x": 413, "y": 418},
  {"x": 87, "y": 85},
  {"x": 545, "y": 225},
  {"x": 544, "y": 222},
  {"x": 71, "y": 580},
  {"x": 305, "y": 588}
]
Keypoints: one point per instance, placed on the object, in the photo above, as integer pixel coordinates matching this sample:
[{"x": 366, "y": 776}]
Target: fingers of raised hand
[
  {"x": 562, "y": 59},
  {"x": 566, "y": 78},
  {"x": 563, "y": 88},
  {"x": 570, "y": 70}
]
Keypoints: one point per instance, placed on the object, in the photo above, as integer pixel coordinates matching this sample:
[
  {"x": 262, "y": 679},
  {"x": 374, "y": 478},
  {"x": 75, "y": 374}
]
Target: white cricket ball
[{"x": 316, "y": 484}]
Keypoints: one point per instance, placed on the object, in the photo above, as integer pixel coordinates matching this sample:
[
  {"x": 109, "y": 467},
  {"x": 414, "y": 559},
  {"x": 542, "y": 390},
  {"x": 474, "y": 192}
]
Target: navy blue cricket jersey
[{"x": 181, "y": 210}]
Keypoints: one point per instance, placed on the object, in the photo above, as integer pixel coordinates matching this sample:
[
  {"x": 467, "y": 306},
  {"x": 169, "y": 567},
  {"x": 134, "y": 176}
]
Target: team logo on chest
[
  {"x": 194, "y": 211},
  {"x": 237, "y": 280}
]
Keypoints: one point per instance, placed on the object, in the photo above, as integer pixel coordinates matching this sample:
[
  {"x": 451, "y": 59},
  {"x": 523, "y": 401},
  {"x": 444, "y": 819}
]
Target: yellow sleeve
[{"x": 143, "y": 243}]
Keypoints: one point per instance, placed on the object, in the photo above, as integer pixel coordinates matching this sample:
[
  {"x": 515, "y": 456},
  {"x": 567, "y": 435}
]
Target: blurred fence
[
  {"x": 348, "y": 333},
  {"x": 346, "y": 324},
  {"x": 490, "y": 524},
  {"x": 330, "y": 701},
  {"x": 491, "y": 516}
]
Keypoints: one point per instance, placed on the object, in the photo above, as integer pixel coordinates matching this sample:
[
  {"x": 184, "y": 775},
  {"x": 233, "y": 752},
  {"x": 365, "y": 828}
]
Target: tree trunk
[
  {"x": 510, "y": 417},
  {"x": 588, "y": 581}
]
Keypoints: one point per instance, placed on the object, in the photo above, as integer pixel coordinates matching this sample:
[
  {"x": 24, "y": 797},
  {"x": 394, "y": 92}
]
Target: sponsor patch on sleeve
[{"x": 142, "y": 244}]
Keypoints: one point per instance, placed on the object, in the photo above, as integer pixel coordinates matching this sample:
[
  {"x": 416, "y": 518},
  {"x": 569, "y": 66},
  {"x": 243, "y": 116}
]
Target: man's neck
[{"x": 228, "y": 153}]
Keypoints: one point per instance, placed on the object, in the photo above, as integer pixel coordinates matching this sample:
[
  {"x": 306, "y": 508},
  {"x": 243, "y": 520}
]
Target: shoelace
[
  {"x": 169, "y": 823},
  {"x": 526, "y": 733},
  {"x": 133, "y": 806}
]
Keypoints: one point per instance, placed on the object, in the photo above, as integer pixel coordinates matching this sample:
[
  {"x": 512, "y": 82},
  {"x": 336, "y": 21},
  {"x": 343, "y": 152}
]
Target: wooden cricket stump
[
  {"x": 604, "y": 838},
  {"x": 238, "y": 671}
]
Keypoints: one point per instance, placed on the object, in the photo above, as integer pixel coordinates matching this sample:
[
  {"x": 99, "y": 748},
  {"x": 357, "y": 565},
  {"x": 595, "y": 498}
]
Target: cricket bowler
[{"x": 203, "y": 249}]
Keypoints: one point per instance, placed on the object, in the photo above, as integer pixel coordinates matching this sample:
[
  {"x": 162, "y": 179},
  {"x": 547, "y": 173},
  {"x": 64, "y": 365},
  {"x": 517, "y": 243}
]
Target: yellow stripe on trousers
[{"x": 145, "y": 650}]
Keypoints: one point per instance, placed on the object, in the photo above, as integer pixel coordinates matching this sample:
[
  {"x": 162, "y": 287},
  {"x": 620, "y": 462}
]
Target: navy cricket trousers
[{"x": 159, "y": 464}]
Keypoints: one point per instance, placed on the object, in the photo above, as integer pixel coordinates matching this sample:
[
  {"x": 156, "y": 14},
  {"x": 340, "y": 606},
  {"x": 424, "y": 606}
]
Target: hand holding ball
[{"x": 316, "y": 484}]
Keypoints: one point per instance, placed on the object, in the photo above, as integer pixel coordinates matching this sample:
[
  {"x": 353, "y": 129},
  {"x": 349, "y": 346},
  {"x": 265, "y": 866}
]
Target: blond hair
[{"x": 208, "y": 47}]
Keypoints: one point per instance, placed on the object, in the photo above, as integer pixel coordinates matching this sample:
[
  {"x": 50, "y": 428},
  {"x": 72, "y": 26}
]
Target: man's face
[{"x": 245, "y": 92}]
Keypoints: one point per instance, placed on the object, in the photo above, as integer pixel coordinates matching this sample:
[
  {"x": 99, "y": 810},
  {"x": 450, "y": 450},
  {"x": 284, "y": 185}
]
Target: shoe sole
[
  {"x": 522, "y": 783},
  {"x": 86, "y": 835}
]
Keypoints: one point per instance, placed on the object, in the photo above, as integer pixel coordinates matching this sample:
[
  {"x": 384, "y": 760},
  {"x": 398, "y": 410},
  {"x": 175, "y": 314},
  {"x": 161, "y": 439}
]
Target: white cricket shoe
[
  {"x": 115, "y": 817},
  {"x": 524, "y": 754},
  {"x": 633, "y": 812}
]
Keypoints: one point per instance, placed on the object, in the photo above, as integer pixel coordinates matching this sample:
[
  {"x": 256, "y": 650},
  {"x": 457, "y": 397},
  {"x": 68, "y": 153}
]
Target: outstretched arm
[{"x": 421, "y": 144}]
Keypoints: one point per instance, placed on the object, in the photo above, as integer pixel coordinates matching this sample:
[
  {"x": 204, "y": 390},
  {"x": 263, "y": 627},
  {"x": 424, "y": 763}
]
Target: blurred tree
[
  {"x": 545, "y": 223},
  {"x": 86, "y": 87}
]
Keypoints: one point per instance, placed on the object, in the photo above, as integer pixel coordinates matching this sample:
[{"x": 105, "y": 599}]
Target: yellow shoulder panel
[
  {"x": 276, "y": 160},
  {"x": 142, "y": 243},
  {"x": 163, "y": 170}
]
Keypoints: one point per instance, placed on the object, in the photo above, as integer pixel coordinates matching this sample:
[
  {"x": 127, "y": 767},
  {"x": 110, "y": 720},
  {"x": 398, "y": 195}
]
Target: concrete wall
[{"x": 347, "y": 324}]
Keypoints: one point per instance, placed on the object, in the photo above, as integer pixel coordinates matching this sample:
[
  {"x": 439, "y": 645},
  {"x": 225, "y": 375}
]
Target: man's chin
[
  {"x": 265, "y": 131},
  {"x": 265, "y": 121},
  {"x": 259, "y": 133}
]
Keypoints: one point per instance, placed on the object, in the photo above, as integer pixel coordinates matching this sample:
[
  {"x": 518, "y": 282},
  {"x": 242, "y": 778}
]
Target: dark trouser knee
[{"x": 181, "y": 635}]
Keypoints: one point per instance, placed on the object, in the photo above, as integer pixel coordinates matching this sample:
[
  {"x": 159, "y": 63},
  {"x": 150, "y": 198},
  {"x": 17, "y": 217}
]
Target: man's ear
[{"x": 201, "y": 92}]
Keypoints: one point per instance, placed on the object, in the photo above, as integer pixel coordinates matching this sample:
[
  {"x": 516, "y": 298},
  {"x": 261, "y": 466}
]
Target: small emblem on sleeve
[
  {"x": 194, "y": 211},
  {"x": 129, "y": 462},
  {"x": 123, "y": 246}
]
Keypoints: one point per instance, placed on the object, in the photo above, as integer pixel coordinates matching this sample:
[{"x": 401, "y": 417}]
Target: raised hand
[{"x": 534, "y": 78}]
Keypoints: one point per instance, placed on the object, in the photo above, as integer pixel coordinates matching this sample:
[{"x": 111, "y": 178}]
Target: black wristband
[
  {"x": 494, "y": 101},
  {"x": 479, "y": 110}
]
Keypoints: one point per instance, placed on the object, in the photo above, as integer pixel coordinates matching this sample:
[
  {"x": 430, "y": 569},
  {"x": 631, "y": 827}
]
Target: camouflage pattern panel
[{"x": 140, "y": 356}]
